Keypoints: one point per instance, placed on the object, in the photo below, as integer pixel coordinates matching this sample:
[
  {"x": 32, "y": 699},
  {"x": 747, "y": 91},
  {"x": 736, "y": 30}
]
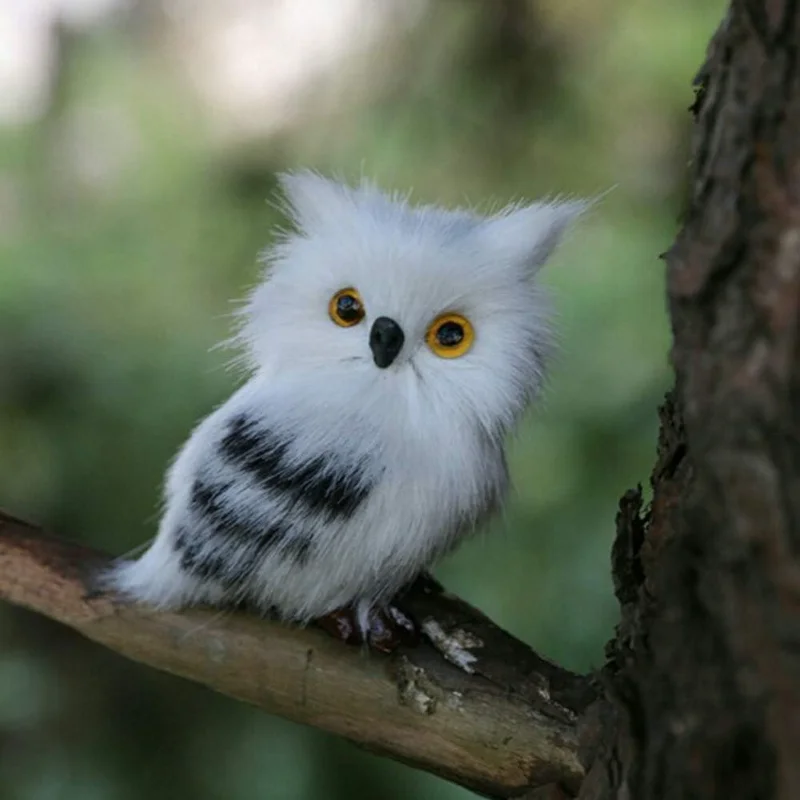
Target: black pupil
[
  {"x": 348, "y": 308},
  {"x": 450, "y": 334}
]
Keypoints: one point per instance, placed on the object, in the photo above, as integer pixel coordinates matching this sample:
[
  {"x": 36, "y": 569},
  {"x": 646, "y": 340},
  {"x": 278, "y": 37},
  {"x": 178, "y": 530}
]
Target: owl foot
[{"x": 383, "y": 630}]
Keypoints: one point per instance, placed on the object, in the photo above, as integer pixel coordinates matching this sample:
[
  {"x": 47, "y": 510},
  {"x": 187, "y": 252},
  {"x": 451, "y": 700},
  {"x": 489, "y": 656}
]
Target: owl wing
[{"x": 254, "y": 499}]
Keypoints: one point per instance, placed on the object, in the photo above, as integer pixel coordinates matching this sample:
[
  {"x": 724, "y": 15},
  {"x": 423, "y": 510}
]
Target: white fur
[{"x": 427, "y": 432}]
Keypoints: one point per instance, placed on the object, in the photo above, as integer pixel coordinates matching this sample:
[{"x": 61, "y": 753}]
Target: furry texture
[{"x": 326, "y": 481}]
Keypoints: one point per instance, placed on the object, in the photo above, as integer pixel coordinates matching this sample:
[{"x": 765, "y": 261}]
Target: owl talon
[
  {"x": 403, "y": 625},
  {"x": 386, "y": 629},
  {"x": 342, "y": 625}
]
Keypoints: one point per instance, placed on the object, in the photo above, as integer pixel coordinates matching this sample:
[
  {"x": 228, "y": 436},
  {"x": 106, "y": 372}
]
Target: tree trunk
[{"x": 702, "y": 684}]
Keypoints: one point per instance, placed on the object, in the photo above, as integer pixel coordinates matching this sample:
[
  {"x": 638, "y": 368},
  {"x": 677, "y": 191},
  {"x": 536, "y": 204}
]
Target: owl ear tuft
[
  {"x": 312, "y": 200},
  {"x": 528, "y": 235}
]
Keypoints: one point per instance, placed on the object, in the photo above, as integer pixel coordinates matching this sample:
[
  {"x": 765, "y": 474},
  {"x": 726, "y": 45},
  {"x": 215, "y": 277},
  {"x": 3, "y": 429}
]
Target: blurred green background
[{"x": 137, "y": 162}]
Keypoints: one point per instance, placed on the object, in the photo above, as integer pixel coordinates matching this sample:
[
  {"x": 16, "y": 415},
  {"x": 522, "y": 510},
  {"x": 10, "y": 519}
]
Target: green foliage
[{"x": 126, "y": 234}]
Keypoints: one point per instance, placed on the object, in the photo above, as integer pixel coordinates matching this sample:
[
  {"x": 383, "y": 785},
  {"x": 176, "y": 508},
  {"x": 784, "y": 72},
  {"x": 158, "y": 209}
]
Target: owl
[{"x": 390, "y": 349}]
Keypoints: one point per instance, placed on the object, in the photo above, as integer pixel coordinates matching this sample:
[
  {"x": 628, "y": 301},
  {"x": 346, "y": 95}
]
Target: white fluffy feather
[{"x": 421, "y": 443}]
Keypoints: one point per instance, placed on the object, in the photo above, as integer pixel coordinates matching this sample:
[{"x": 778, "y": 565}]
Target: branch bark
[{"x": 508, "y": 726}]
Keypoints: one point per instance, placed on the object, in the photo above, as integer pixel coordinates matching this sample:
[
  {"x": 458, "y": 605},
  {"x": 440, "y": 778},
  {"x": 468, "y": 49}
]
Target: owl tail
[{"x": 155, "y": 578}]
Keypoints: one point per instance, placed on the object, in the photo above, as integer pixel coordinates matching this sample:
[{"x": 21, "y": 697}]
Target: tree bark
[
  {"x": 700, "y": 695},
  {"x": 703, "y": 678}
]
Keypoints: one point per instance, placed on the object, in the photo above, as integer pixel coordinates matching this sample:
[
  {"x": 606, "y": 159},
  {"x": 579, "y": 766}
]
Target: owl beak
[{"x": 385, "y": 340}]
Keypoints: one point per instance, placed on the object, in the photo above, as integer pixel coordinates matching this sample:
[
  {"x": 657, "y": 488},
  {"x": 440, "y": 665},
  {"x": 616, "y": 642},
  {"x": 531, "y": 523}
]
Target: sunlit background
[{"x": 138, "y": 148}]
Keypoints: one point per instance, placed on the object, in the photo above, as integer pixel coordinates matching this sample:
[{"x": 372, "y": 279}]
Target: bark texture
[{"x": 703, "y": 679}]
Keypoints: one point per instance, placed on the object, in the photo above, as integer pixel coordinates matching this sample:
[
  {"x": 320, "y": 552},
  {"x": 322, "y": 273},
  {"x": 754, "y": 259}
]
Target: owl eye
[
  {"x": 346, "y": 308},
  {"x": 450, "y": 335}
]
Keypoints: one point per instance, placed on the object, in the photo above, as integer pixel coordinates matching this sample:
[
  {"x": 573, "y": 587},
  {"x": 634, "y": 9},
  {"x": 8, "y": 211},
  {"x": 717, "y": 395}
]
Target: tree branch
[{"x": 504, "y": 725}]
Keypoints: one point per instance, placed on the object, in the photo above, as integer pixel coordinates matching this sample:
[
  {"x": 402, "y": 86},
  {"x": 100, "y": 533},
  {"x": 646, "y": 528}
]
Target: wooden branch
[{"x": 503, "y": 725}]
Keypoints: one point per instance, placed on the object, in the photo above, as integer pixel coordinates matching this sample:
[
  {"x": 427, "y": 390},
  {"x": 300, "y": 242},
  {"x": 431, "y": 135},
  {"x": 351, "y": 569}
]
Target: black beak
[{"x": 386, "y": 341}]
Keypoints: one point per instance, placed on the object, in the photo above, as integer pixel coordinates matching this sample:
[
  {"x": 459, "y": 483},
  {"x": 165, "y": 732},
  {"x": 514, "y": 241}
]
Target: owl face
[{"x": 400, "y": 307}]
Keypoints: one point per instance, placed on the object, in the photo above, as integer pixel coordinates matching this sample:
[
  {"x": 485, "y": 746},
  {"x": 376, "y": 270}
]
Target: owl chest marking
[
  {"x": 233, "y": 538},
  {"x": 314, "y": 482}
]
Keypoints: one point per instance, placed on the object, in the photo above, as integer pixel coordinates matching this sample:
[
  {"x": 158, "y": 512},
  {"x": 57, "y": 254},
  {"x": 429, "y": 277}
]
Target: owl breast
[
  {"x": 308, "y": 520},
  {"x": 432, "y": 492}
]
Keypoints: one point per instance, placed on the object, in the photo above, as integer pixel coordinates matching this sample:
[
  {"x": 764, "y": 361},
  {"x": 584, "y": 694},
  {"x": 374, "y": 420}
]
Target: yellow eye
[
  {"x": 346, "y": 308},
  {"x": 450, "y": 335}
]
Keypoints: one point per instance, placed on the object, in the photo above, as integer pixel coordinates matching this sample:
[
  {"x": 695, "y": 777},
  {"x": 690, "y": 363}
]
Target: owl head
[{"x": 374, "y": 301}]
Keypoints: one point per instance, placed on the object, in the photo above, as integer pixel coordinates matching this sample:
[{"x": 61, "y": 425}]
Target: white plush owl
[{"x": 391, "y": 350}]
